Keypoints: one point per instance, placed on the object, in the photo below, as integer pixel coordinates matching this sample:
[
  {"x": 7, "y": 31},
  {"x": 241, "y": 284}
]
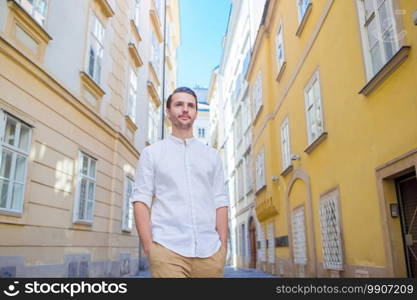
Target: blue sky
[{"x": 203, "y": 25}]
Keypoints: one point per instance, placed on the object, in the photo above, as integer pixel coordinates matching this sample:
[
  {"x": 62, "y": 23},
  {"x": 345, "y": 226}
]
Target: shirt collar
[{"x": 181, "y": 141}]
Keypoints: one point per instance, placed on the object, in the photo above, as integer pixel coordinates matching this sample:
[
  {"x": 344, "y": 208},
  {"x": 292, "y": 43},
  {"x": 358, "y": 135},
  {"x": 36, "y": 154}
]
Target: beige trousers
[{"x": 164, "y": 263}]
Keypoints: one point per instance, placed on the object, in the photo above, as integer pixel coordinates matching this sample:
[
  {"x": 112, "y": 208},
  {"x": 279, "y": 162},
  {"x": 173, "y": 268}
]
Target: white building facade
[{"x": 231, "y": 120}]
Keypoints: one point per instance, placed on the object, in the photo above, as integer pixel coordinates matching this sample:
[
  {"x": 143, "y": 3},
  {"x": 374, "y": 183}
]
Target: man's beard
[{"x": 179, "y": 124}]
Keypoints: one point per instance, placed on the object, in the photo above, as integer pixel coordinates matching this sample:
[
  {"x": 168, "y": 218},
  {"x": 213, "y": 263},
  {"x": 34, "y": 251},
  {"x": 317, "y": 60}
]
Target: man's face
[{"x": 183, "y": 111}]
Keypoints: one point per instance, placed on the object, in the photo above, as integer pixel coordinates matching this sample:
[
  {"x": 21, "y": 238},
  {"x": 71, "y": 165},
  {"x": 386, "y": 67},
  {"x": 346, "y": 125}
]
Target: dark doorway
[
  {"x": 252, "y": 237},
  {"x": 407, "y": 200}
]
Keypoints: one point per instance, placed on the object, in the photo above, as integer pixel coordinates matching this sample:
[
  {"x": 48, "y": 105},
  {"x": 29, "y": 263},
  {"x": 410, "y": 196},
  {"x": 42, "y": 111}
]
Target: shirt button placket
[{"x": 187, "y": 172}]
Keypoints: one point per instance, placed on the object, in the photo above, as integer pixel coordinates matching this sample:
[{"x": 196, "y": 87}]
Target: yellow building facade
[{"x": 334, "y": 137}]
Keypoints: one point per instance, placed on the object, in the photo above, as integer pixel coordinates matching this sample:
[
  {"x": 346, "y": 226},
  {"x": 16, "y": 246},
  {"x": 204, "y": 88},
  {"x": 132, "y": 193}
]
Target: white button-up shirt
[{"x": 186, "y": 177}]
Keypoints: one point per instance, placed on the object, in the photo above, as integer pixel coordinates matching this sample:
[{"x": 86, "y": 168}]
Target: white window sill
[
  {"x": 315, "y": 143},
  {"x": 386, "y": 70},
  {"x": 304, "y": 20}
]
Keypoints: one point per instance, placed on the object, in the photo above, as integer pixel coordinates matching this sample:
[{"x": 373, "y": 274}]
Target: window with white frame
[
  {"x": 243, "y": 241},
  {"x": 280, "y": 47},
  {"x": 15, "y": 146},
  {"x": 257, "y": 95},
  {"x": 379, "y": 33},
  {"x": 238, "y": 126},
  {"x": 201, "y": 132},
  {"x": 153, "y": 121},
  {"x": 95, "y": 48},
  {"x": 241, "y": 182},
  {"x": 156, "y": 55},
  {"x": 86, "y": 188},
  {"x": 248, "y": 173},
  {"x": 260, "y": 170},
  {"x": 271, "y": 243},
  {"x": 285, "y": 144},
  {"x": 36, "y": 8},
  {"x": 302, "y": 8},
  {"x": 133, "y": 90},
  {"x": 136, "y": 12},
  {"x": 299, "y": 236},
  {"x": 127, "y": 220},
  {"x": 330, "y": 232},
  {"x": 313, "y": 104}
]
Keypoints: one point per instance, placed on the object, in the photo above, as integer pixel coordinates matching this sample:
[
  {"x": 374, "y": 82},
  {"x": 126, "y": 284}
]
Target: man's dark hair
[{"x": 182, "y": 89}]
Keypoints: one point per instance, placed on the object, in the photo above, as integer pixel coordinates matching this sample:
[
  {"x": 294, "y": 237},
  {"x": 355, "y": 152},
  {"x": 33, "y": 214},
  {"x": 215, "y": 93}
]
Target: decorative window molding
[
  {"x": 330, "y": 226},
  {"x": 134, "y": 54},
  {"x": 299, "y": 236},
  {"x": 86, "y": 187},
  {"x": 15, "y": 138},
  {"x": 135, "y": 21},
  {"x": 304, "y": 10},
  {"x": 91, "y": 91},
  {"x": 127, "y": 214},
  {"x": 155, "y": 21},
  {"x": 153, "y": 93},
  {"x": 25, "y": 31},
  {"x": 105, "y": 7},
  {"x": 314, "y": 109}
]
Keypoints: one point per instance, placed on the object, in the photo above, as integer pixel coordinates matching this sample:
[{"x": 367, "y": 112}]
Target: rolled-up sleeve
[
  {"x": 143, "y": 189},
  {"x": 221, "y": 197}
]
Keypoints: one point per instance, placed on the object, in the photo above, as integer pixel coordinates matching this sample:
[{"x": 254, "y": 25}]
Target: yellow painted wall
[{"x": 363, "y": 132}]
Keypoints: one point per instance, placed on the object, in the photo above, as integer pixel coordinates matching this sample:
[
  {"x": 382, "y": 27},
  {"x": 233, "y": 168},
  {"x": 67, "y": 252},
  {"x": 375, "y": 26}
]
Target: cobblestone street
[{"x": 229, "y": 272}]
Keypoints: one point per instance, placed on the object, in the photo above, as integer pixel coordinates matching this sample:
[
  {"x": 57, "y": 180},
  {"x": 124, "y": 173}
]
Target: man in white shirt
[{"x": 180, "y": 199}]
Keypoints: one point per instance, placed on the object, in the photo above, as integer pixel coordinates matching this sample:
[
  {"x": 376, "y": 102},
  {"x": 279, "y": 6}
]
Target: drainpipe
[{"x": 163, "y": 72}]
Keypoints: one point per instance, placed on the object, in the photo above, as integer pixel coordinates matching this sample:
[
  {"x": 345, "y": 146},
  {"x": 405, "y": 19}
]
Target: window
[
  {"x": 201, "y": 133},
  {"x": 257, "y": 95},
  {"x": 86, "y": 188},
  {"x": 15, "y": 145},
  {"x": 243, "y": 241},
  {"x": 285, "y": 144},
  {"x": 280, "y": 48},
  {"x": 156, "y": 55},
  {"x": 133, "y": 86},
  {"x": 36, "y": 8},
  {"x": 330, "y": 232},
  {"x": 379, "y": 34},
  {"x": 271, "y": 243},
  {"x": 260, "y": 170},
  {"x": 299, "y": 236},
  {"x": 136, "y": 12},
  {"x": 95, "y": 48},
  {"x": 314, "y": 113},
  {"x": 127, "y": 220},
  {"x": 241, "y": 181},
  {"x": 248, "y": 173},
  {"x": 302, "y": 8},
  {"x": 153, "y": 122}
]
